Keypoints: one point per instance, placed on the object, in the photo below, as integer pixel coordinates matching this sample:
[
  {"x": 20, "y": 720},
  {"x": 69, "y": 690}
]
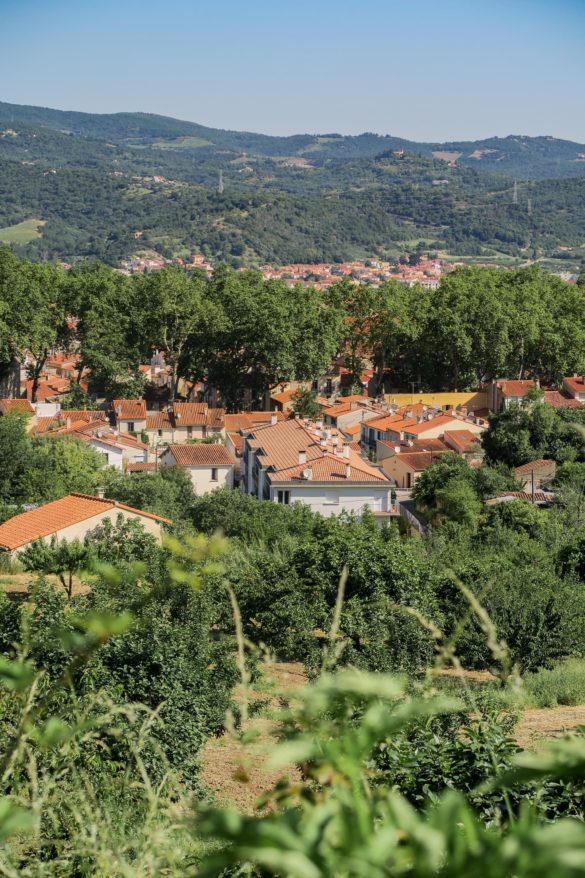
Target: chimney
[
  {"x": 346, "y": 451},
  {"x": 118, "y": 410},
  {"x": 68, "y": 423},
  {"x": 273, "y": 419},
  {"x": 100, "y": 493},
  {"x": 347, "y": 470},
  {"x": 302, "y": 456}
]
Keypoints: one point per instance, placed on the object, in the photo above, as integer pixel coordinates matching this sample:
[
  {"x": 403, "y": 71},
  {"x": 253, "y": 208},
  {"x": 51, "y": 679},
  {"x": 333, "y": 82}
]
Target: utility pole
[{"x": 220, "y": 183}]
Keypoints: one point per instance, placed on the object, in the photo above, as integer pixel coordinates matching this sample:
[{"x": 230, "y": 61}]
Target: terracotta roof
[
  {"x": 539, "y": 496},
  {"x": 331, "y": 469},
  {"x": 130, "y": 409},
  {"x": 197, "y": 414},
  {"x": 141, "y": 467},
  {"x": 558, "y": 400},
  {"x": 417, "y": 460},
  {"x": 463, "y": 440},
  {"x": 575, "y": 384},
  {"x": 201, "y": 454},
  {"x": 160, "y": 421},
  {"x": 283, "y": 396},
  {"x": 249, "y": 420},
  {"x": 53, "y": 517},
  {"x": 19, "y": 405},
  {"x": 278, "y": 447},
  {"x": 515, "y": 388},
  {"x": 438, "y": 420},
  {"x": 534, "y": 465},
  {"x": 383, "y": 422}
]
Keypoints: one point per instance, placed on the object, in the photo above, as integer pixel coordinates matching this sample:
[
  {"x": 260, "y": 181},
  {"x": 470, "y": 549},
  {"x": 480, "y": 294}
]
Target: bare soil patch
[
  {"x": 538, "y": 724},
  {"x": 237, "y": 774},
  {"x": 19, "y": 583}
]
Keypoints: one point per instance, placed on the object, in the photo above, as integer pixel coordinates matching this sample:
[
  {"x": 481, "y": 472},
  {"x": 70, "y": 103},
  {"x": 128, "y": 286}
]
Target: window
[
  {"x": 331, "y": 498},
  {"x": 160, "y": 433},
  {"x": 214, "y": 474},
  {"x": 189, "y": 432},
  {"x": 130, "y": 426},
  {"x": 284, "y": 497}
]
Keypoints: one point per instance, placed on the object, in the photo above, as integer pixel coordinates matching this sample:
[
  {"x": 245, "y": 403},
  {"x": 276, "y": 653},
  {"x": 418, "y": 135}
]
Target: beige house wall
[
  {"x": 399, "y": 471},
  {"x": 473, "y": 400},
  {"x": 79, "y": 530},
  {"x": 202, "y": 481}
]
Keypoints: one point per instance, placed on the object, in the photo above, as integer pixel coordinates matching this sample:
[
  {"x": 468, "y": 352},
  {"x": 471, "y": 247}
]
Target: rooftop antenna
[
  {"x": 220, "y": 183},
  {"x": 515, "y": 195}
]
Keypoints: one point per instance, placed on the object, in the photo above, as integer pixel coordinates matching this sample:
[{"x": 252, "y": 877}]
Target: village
[{"x": 359, "y": 453}]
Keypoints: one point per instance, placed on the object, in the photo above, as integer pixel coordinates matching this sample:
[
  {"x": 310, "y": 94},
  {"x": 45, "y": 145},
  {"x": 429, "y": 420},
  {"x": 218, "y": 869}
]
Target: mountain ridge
[{"x": 539, "y": 157}]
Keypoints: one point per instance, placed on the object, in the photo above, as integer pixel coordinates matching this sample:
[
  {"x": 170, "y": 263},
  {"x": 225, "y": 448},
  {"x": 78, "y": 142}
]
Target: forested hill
[
  {"x": 516, "y": 155},
  {"x": 76, "y": 185}
]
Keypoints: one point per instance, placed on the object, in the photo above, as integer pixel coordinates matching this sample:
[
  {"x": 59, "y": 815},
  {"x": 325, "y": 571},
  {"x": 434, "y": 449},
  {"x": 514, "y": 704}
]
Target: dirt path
[
  {"x": 237, "y": 775},
  {"x": 537, "y": 724}
]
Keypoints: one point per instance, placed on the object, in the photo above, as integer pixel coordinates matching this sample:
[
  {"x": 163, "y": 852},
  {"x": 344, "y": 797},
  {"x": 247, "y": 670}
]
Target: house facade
[
  {"x": 298, "y": 461},
  {"x": 209, "y": 465}
]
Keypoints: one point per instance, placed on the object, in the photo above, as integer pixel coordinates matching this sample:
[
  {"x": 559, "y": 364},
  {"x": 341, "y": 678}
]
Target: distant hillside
[
  {"x": 530, "y": 158},
  {"x": 75, "y": 185}
]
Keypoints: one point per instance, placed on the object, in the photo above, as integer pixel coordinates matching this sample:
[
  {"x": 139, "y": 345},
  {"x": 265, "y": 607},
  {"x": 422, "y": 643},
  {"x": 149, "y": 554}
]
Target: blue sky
[{"x": 422, "y": 69}]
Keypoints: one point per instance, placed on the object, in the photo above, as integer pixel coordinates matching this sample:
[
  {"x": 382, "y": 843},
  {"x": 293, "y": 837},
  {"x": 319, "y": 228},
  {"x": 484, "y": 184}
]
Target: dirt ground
[
  {"x": 18, "y": 583},
  {"x": 538, "y": 724},
  {"x": 237, "y": 775}
]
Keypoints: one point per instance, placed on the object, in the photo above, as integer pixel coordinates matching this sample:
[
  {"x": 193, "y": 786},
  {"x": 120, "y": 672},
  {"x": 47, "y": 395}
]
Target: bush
[{"x": 562, "y": 685}]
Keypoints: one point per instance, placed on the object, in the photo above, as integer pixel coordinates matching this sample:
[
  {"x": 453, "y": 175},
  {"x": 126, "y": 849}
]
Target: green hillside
[{"x": 96, "y": 180}]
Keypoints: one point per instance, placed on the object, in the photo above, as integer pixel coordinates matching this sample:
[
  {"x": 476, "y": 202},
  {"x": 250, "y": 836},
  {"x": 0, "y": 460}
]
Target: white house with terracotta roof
[
  {"x": 70, "y": 518},
  {"x": 130, "y": 415},
  {"x": 305, "y": 462},
  {"x": 210, "y": 465}
]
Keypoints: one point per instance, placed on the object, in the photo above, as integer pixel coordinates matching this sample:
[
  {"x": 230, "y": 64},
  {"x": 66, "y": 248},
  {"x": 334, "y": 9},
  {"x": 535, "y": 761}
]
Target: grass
[
  {"x": 562, "y": 685},
  {"x": 22, "y": 233},
  {"x": 186, "y": 142}
]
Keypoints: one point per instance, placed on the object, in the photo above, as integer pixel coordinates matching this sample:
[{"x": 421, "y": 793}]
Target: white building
[
  {"x": 302, "y": 462},
  {"x": 210, "y": 466}
]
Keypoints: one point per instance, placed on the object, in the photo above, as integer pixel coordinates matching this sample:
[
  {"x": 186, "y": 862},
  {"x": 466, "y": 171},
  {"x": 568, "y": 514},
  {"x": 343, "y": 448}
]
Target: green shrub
[{"x": 562, "y": 685}]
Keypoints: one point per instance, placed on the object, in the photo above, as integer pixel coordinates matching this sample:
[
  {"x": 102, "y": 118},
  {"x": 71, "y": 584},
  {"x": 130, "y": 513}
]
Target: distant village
[{"x": 407, "y": 271}]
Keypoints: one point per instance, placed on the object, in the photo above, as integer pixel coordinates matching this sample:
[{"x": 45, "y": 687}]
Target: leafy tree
[
  {"x": 15, "y": 458},
  {"x": 65, "y": 559},
  {"x": 60, "y": 465},
  {"x": 305, "y": 403}
]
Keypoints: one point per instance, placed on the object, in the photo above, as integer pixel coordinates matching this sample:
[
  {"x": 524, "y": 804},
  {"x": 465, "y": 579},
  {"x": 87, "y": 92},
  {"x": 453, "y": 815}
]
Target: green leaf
[
  {"x": 14, "y": 819},
  {"x": 17, "y": 676}
]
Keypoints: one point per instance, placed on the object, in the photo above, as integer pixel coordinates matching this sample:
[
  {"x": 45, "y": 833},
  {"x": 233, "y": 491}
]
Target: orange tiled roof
[
  {"x": 203, "y": 454},
  {"x": 197, "y": 414},
  {"x": 19, "y": 405},
  {"x": 464, "y": 440},
  {"x": 141, "y": 467},
  {"x": 559, "y": 401},
  {"x": 533, "y": 465},
  {"x": 515, "y": 388},
  {"x": 47, "y": 520},
  {"x": 160, "y": 421},
  {"x": 417, "y": 460},
  {"x": 283, "y": 396},
  {"x": 575, "y": 384},
  {"x": 130, "y": 409},
  {"x": 278, "y": 446}
]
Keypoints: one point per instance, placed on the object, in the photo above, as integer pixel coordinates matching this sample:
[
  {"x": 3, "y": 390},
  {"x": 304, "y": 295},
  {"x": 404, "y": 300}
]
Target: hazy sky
[{"x": 422, "y": 69}]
